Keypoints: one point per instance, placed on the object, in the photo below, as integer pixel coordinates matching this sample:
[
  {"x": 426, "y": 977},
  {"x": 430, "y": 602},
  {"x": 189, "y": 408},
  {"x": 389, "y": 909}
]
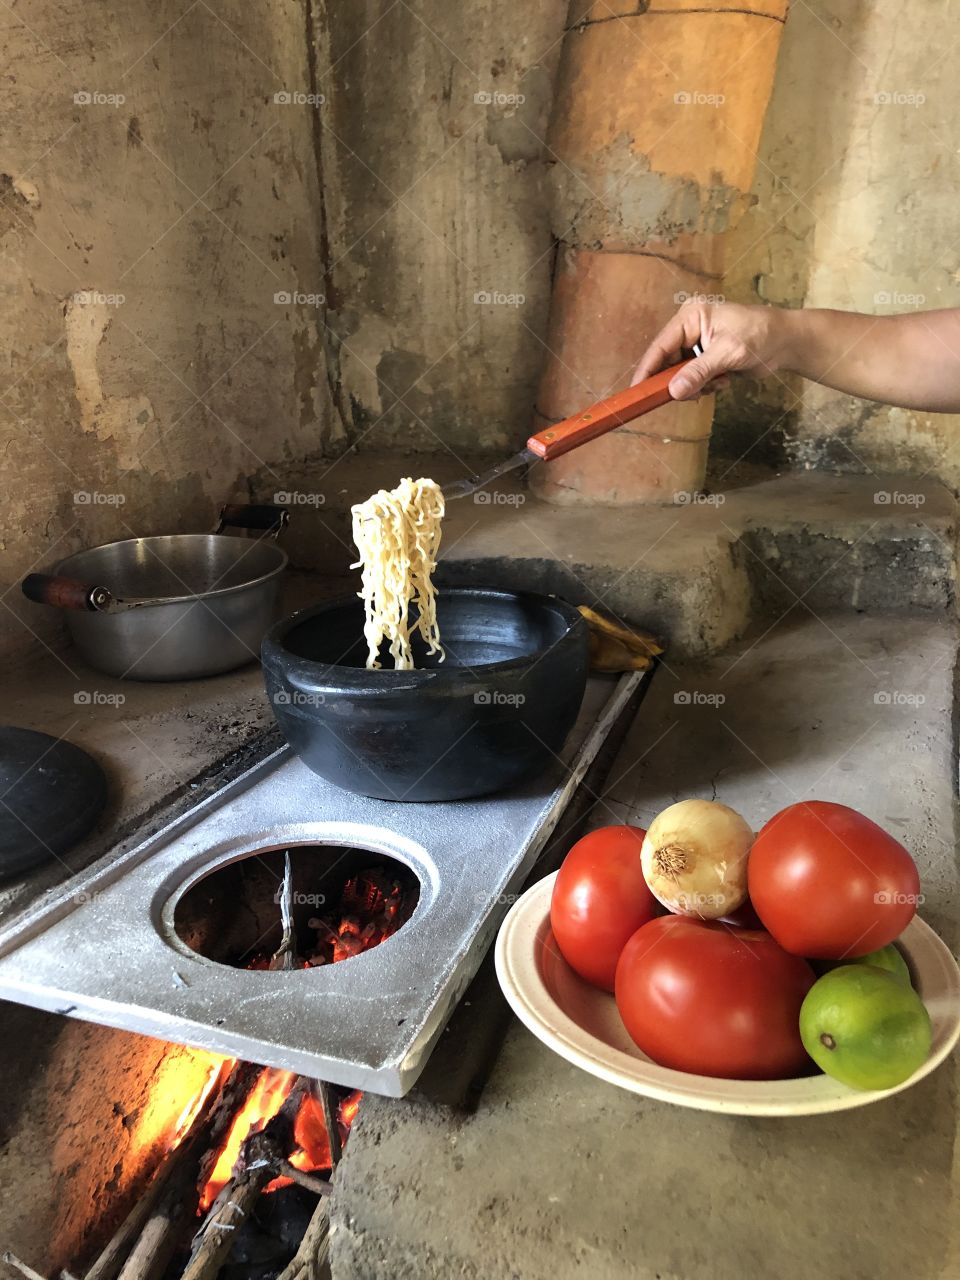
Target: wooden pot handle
[{"x": 605, "y": 415}]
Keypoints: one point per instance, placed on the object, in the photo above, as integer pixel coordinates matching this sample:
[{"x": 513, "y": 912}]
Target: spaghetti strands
[{"x": 397, "y": 534}]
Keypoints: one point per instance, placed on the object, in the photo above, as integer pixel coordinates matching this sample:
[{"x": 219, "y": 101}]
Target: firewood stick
[
  {"x": 12, "y": 1260},
  {"x": 173, "y": 1212},
  {"x": 111, "y": 1259},
  {"x": 319, "y": 1186},
  {"x": 283, "y": 957},
  {"x": 322, "y": 1092},
  {"x": 259, "y": 1155}
]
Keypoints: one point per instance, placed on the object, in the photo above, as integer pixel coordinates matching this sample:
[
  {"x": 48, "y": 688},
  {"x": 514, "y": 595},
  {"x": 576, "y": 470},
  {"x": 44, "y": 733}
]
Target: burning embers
[
  {"x": 340, "y": 903},
  {"x": 373, "y": 906}
]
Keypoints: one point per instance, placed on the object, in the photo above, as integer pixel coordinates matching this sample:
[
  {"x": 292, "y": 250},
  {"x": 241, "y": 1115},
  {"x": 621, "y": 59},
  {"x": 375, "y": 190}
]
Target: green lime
[
  {"x": 864, "y": 1027},
  {"x": 888, "y": 958}
]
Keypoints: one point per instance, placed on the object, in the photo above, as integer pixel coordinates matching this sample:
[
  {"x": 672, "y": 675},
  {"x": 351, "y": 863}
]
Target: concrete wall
[
  {"x": 435, "y": 181},
  {"x": 144, "y": 234},
  {"x": 856, "y": 208}
]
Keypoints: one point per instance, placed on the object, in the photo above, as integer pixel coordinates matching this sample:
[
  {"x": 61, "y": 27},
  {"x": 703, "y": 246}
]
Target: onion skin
[{"x": 694, "y": 859}]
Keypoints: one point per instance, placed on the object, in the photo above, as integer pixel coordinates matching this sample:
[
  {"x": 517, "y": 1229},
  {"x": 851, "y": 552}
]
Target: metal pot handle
[{"x": 239, "y": 515}]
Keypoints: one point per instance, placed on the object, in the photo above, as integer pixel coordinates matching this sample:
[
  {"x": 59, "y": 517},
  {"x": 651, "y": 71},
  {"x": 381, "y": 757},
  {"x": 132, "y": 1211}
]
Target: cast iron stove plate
[{"x": 103, "y": 947}]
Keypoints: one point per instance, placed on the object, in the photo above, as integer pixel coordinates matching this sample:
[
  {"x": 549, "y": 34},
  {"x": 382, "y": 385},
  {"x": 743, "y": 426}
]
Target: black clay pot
[{"x": 495, "y": 711}]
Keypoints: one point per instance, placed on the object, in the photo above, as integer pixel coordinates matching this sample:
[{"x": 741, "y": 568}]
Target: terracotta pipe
[{"x": 654, "y": 135}]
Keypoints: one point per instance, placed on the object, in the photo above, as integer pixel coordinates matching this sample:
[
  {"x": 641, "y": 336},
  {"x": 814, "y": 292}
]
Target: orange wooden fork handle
[{"x": 603, "y": 416}]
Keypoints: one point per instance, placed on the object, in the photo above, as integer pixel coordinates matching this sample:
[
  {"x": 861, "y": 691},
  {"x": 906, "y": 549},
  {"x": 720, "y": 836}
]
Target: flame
[
  {"x": 312, "y": 1145},
  {"x": 194, "y": 1106},
  {"x": 266, "y": 1098},
  {"x": 350, "y": 1107}
]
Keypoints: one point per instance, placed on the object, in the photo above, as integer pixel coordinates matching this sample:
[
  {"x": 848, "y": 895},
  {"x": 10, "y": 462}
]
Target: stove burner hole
[{"x": 344, "y": 901}]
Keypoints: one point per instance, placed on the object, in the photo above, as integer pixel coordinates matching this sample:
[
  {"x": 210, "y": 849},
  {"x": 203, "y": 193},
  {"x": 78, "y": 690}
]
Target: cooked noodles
[{"x": 397, "y": 533}]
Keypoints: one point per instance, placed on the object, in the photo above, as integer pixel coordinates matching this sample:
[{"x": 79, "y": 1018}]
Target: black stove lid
[{"x": 51, "y": 795}]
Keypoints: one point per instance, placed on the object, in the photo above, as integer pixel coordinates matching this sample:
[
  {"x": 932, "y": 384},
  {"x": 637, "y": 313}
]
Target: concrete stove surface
[
  {"x": 558, "y": 1176},
  {"x": 104, "y": 948}
]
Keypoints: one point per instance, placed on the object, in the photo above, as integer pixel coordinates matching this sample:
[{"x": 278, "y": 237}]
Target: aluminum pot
[
  {"x": 172, "y": 607},
  {"x": 497, "y": 710}
]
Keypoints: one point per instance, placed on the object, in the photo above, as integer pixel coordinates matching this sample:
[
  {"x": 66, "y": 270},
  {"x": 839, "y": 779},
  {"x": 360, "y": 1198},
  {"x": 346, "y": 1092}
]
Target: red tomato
[
  {"x": 705, "y": 997},
  {"x": 829, "y": 883},
  {"x": 600, "y": 899}
]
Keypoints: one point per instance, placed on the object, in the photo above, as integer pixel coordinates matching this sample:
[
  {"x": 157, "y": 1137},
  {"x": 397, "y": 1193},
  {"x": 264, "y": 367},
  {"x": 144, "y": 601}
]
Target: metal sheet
[{"x": 103, "y": 949}]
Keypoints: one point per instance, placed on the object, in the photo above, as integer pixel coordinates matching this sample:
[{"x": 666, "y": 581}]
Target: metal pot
[
  {"x": 172, "y": 607},
  {"x": 497, "y": 710}
]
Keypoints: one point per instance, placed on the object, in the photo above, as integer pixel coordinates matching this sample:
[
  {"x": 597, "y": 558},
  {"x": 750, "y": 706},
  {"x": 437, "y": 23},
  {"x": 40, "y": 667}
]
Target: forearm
[{"x": 912, "y": 361}]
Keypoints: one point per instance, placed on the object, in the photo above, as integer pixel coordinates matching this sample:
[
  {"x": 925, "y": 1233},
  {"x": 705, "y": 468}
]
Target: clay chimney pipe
[{"x": 654, "y": 134}]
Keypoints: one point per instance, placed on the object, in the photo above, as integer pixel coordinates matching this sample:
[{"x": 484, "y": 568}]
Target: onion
[{"x": 694, "y": 858}]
